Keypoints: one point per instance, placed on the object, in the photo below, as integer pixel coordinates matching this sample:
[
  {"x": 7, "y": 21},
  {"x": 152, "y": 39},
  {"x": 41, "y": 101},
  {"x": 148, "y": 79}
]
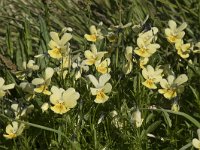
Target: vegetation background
[{"x": 24, "y": 32}]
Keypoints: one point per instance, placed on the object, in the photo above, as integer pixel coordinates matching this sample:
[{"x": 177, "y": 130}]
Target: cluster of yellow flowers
[
  {"x": 61, "y": 100},
  {"x": 170, "y": 86},
  {"x": 175, "y": 36},
  {"x": 93, "y": 57}
]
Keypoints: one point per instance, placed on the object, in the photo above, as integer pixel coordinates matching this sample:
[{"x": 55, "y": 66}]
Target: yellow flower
[
  {"x": 152, "y": 76},
  {"x": 93, "y": 56},
  {"x": 101, "y": 87},
  {"x": 182, "y": 49},
  {"x": 43, "y": 83},
  {"x": 143, "y": 62},
  {"x": 149, "y": 36},
  {"x": 173, "y": 33},
  {"x": 13, "y": 130},
  {"x": 195, "y": 141},
  {"x": 102, "y": 67},
  {"x": 3, "y": 87},
  {"x": 129, "y": 56},
  {"x": 94, "y": 34},
  {"x": 137, "y": 118},
  {"x": 59, "y": 47},
  {"x": 145, "y": 49},
  {"x": 171, "y": 85},
  {"x": 63, "y": 100}
]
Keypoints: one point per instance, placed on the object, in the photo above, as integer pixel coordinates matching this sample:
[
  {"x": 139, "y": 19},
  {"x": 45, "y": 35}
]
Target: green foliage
[{"x": 24, "y": 33}]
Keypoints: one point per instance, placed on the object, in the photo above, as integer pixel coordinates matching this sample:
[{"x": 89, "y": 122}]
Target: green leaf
[
  {"x": 167, "y": 119},
  {"x": 186, "y": 146},
  {"x": 153, "y": 126}
]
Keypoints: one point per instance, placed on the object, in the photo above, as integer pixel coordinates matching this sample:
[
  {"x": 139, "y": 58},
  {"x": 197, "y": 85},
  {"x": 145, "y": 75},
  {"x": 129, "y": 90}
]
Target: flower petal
[
  {"x": 48, "y": 73},
  {"x": 37, "y": 81},
  {"x": 55, "y": 36},
  {"x": 9, "y": 86},
  {"x": 2, "y": 81},
  {"x": 182, "y": 27},
  {"x": 164, "y": 84},
  {"x": 196, "y": 143},
  {"x": 93, "y": 80},
  {"x": 172, "y": 25},
  {"x": 65, "y": 38},
  {"x": 107, "y": 88},
  {"x": 181, "y": 79},
  {"x": 103, "y": 79}
]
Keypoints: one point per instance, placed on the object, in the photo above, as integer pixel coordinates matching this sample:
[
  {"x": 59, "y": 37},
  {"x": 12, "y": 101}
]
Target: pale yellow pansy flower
[
  {"x": 129, "y": 57},
  {"x": 13, "y": 130},
  {"x": 152, "y": 76},
  {"x": 94, "y": 35},
  {"x": 43, "y": 83},
  {"x": 174, "y": 33},
  {"x": 137, "y": 118},
  {"x": 101, "y": 87},
  {"x": 195, "y": 141},
  {"x": 145, "y": 49},
  {"x": 3, "y": 87},
  {"x": 171, "y": 85},
  {"x": 59, "y": 47},
  {"x": 93, "y": 56},
  {"x": 103, "y": 67},
  {"x": 63, "y": 100},
  {"x": 183, "y": 50},
  {"x": 149, "y": 36}
]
